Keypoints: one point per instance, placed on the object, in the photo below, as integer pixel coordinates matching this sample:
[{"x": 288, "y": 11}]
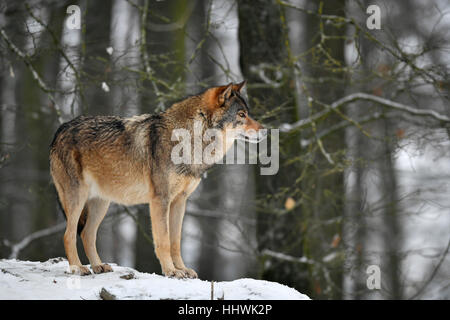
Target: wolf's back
[{"x": 84, "y": 130}]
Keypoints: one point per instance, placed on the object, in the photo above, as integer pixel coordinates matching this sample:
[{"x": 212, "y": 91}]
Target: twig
[
  {"x": 433, "y": 274},
  {"x": 17, "y": 247},
  {"x": 141, "y": 229},
  {"x": 390, "y": 104},
  {"x": 368, "y": 97},
  {"x": 303, "y": 260},
  {"x": 26, "y": 59},
  {"x": 176, "y": 25},
  {"x": 106, "y": 295},
  {"x": 286, "y": 257},
  {"x": 344, "y": 124},
  {"x": 144, "y": 55},
  {"x": 60, "y": 49}
]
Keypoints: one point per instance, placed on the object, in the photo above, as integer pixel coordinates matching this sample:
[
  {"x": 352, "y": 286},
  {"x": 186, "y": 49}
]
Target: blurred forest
[{"x": 364, "y": 122}]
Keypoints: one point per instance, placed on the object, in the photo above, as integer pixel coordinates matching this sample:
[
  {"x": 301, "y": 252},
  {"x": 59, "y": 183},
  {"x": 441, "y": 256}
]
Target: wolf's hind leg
[
  {"x": 96, "y": 209},
  {"x": 73, "y": 205}
]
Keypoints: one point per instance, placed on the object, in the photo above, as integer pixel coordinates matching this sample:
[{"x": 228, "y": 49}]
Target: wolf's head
[
  {"x": 228, "y": 110},
  {"x": 206, "y": 125}
]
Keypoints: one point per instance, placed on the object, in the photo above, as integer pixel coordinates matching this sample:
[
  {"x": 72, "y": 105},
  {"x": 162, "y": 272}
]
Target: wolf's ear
[
  {"x": 224, "y": 93},
  {"x": 239, "y": 86},
  {"x": 216, "y": 96}
]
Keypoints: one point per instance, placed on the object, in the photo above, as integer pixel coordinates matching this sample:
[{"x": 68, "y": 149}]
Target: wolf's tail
[{"x": 83, "y": 216}]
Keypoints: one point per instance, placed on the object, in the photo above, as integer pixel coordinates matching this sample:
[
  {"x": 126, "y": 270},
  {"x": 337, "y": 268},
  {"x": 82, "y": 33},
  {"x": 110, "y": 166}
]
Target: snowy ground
[{"x": 50, "y": 280}]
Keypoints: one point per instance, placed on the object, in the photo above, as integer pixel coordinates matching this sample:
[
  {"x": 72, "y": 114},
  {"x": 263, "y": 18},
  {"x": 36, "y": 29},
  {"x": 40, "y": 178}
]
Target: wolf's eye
[{"x": 242, "y": 114}]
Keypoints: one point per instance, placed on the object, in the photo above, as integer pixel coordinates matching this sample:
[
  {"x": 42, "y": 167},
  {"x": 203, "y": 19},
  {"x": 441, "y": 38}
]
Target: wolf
[{"x": 96, "y": 160}]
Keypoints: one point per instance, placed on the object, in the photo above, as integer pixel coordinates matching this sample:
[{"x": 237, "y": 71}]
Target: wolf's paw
[
  {"x": 174, "y": 273},
  {"x": 79, "y": 270},
  {"x": 102, "y": 268},
  {"x": 189, "y": 273}
]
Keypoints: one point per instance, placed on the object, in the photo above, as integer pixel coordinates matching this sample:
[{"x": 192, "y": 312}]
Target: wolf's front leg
[
  {"x": 177, "y": 209},
  {"x": 159, "y": 215}
]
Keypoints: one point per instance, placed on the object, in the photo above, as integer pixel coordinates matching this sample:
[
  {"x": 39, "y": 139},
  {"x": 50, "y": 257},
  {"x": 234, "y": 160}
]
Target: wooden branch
[
  {"x": 17, "y": 247},
  {"x": 396, "y": 52},
  {"x": 26, "y": 59},
  {"x": 285, "y": 257},
  {"x": 390, "y": 104},
  {"x": 144, "y": 54},
  {"x": 367, "y": 97},
  {"x": 60, "y": 49},
  {"x": 433, "y": 274},
  {"x": 344, "y": 124},
  {"x": 140, "y": 227},
  {"x": 314, "y": 13},
  {"x": 303, "y": 260}
]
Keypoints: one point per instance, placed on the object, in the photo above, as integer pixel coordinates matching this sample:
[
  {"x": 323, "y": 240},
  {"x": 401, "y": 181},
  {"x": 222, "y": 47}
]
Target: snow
[
  {"x": 49, "y": 280},
  {"x": 105, "y": 87}
]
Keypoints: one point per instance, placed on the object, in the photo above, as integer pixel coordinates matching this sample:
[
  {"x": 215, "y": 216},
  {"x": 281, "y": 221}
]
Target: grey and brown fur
[{"x": 98, "y": 160}]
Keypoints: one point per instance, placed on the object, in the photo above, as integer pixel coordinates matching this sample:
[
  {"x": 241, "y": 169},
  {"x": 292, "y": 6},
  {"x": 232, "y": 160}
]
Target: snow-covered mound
[{"x": 50, "y": 280}]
